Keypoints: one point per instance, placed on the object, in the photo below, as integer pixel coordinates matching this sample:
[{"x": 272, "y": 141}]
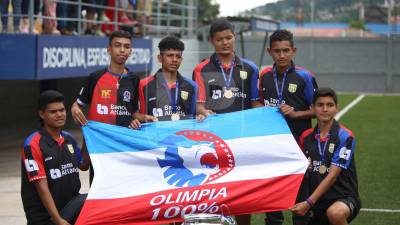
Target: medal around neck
[
  {"x": 322, "y": 169},
  {"x": 175, "y": 117},
  {"x": 228, "y": 94}
]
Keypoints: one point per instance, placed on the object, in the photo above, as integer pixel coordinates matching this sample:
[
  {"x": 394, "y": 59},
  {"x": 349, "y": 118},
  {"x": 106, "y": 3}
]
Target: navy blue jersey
[
  {"x": 54, "y": 160},
  {"x": 221, "y": 94},
  {"x": 298, "y": 91},
  {"x": 338, "y": 151},
  {"x": 158, "y": 100}
]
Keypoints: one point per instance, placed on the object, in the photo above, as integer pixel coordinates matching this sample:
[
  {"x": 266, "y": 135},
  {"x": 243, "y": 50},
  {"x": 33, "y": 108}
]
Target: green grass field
[{"x": 375, "y": 122}]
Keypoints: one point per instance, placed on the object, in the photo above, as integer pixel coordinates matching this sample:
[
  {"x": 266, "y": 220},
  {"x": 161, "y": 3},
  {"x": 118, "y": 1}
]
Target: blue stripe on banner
[{"x": 262, "y": 121}]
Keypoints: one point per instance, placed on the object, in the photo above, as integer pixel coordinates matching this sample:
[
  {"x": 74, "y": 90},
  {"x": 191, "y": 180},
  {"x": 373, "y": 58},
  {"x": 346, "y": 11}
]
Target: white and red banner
[{"x": 244, "y": 162}]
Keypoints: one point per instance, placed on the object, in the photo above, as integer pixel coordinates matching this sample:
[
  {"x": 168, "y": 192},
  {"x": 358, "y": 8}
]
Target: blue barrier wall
[
  {"x": 17, "y": 57},
  {"x": 29, "y": 57}
]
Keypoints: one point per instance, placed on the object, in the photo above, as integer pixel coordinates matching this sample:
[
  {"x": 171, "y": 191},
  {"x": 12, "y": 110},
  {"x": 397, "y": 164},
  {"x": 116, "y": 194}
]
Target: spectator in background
[
  {"x": 70, "y": 11},
  {"x": 123, "y": 17},
  {"x": 50, "y": 24},
  {"x": 16, "y": 10},
  {"x": 24, "y": 27},
  {"x": 94, "y": 13}
]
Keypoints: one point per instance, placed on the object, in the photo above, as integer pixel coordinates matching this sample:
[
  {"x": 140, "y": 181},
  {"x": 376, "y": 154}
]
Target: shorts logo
[
  {"x": 70, "y": 148},
  {"x": 127, "y": 96},
  {"x": 292, "y": 88},
  {"x": 184, "y": 95},
  {"x": 105, "y": 93},
  {"x": 204, "y": 158},
  {"x": 102, "y": 109},
  {"x": 243, "y": 75},
  {"x": 31, "y": 165}
]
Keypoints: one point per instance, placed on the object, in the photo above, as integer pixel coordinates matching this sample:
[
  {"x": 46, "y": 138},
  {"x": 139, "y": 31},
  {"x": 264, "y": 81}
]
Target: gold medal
[
  {"x": 228, "y": 94},
  {"x": 322, "y": 169},
  {"x": 175, "y": 117}
]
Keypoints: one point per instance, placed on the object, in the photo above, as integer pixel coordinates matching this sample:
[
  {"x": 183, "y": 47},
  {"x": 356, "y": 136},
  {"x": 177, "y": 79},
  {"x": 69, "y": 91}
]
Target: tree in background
[{"x": 207, "y": 11}]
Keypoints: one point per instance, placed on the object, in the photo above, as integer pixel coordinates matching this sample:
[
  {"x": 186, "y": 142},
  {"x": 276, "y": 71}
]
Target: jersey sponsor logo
[
  {"x": 216, "y": 94},
  {"x": 31, "y": 165},
  {"x": 157, "y": 112},
  {"x": 70, "y": 148},
  {"x": 243, "y": 75},
  {"x": 66, "y": 169},
  {"x": 102, "y": 109},
  {"x": 184, "y": 95},
  {"x": 55, "y": 173},
  {"x": 292, "y": 88},
  {"x": 127, "y": 96},
  {"x": 345, "y": 153},
  {"x": 105, "y": 93},
  {"x": 209, "y": 156}
]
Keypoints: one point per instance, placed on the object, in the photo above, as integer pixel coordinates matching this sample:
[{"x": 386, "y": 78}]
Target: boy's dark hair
[
  {"x": 171, "y": 42},
  {"x": 49, "y": 96},
  {"x": 119, "y": 34},
  {"x": 281, "y": 35},
  {"x": 220, "y": 25},
  {"x": 325, "y": 92}
]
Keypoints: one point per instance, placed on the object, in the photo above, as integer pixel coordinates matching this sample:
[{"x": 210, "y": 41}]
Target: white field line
[
  {"x": 381, "y": 210},
  {"x": 349, "y": 106}
]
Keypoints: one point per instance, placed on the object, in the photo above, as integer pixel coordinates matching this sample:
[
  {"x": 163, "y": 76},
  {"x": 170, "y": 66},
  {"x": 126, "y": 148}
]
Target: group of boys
[{"x": 225, "y": 82}]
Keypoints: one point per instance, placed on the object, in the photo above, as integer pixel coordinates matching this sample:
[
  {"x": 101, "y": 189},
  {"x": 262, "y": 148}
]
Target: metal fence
[{"x": 159, "y": 18}]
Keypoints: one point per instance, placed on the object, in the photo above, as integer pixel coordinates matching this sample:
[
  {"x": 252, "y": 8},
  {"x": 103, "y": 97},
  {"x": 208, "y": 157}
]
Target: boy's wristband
[{"x": 310, "y": 202}]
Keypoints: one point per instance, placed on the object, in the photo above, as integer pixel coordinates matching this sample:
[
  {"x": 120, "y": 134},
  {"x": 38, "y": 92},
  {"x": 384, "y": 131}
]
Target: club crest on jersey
[
  {"x": 127, "y": 96},
  {"x": 194, "y": 157},
  {"x": 292, "y": 88},
  {"x": 331, "y": 147},
  {"x": 243, "y": 75},
  {"x": 70, "y": 148},
  {"x": 184, "y": 95},
  {"x": 105, "y": 93}
]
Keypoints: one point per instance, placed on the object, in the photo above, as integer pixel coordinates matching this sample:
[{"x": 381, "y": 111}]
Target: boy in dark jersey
[
  {"x": 168, "y": 95},
  {"x": 227, "y": 82},
  {"x": 111, "y": 94},
  {"x": 290, "y": 88},
  {"x": 332, "y": 179},
  {"x": 49, "y": 169}
]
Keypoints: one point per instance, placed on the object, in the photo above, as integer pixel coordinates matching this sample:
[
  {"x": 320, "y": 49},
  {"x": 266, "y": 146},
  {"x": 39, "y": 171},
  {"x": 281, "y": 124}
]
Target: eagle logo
[{"x": 206, "y": 159}]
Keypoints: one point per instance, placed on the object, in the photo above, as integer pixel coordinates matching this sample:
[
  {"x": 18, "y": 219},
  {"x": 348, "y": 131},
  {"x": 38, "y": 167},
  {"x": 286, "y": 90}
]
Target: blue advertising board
[
  {"x": 32, "y": 57},
  {"x": 74, "y": 56},
  {"x": 17, "y": 57}
]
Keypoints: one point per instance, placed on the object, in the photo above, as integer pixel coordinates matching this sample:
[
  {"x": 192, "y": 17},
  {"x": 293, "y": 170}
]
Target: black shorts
[{"x": 318, "y": 215}]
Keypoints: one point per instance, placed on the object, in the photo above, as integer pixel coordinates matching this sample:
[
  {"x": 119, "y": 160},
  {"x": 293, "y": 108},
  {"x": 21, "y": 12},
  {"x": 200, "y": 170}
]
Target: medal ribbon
[
  {"x": 322, "y": 150},
  {"x": 173, "y": 101},
  {"x": 229, "y": 79},
  {"x": 279, "y": 91}
]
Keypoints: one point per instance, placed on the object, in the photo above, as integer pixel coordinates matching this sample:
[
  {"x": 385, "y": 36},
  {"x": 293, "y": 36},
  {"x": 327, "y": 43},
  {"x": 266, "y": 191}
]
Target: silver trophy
[{"x": 208, "y": 219}]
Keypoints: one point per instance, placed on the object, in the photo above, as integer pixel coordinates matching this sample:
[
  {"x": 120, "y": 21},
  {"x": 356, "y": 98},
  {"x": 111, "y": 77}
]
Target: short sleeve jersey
[
  {"x": 158, "y": 99},
  {"x": 298, "y": 91},
  {"x": 55, "y": 160},
  {"x": 112, "y": 98},
  {"x": 338, "y": 149},
  {"x": 213, "y": 88}
]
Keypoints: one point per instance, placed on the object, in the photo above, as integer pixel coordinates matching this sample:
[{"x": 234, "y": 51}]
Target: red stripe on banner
[{"x": 240, "y": 197}]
